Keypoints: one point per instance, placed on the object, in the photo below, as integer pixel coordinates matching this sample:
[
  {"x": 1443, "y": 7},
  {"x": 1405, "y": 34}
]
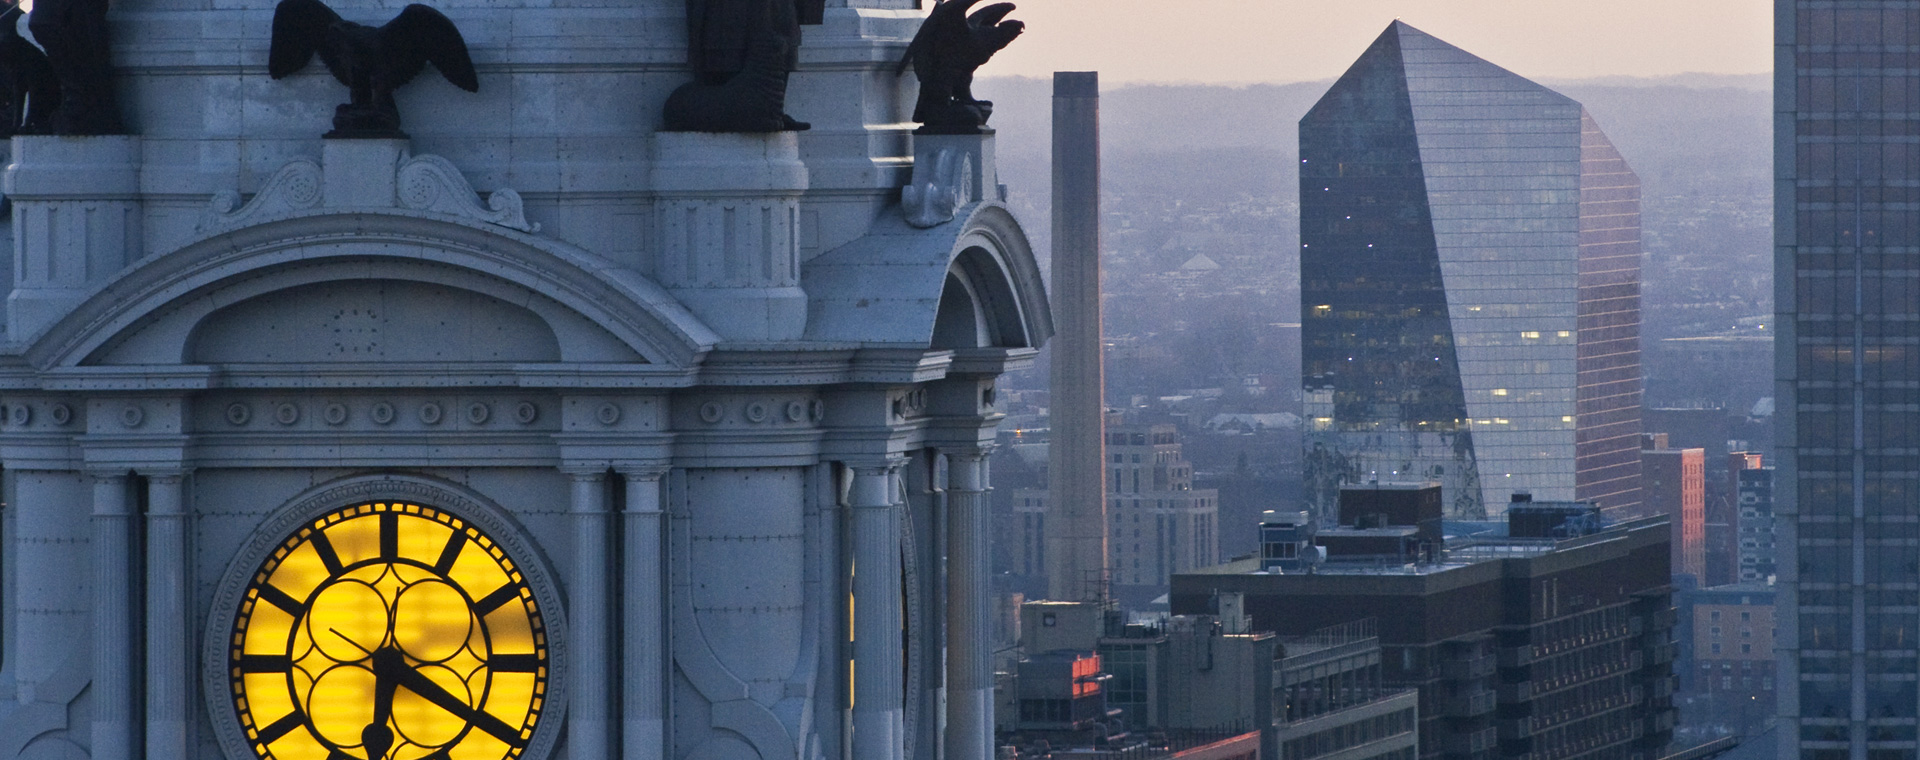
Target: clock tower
[{"x": 534, "y": 431}]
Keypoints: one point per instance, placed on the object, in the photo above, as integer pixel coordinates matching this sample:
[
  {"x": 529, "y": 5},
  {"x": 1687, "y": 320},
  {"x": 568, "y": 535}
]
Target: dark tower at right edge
[{"x": 1847, "y": 353}]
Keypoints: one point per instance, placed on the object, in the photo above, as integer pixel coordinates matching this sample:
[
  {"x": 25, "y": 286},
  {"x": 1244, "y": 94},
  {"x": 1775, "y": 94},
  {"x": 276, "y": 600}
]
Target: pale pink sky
[{"x": 1303, "y": 40}]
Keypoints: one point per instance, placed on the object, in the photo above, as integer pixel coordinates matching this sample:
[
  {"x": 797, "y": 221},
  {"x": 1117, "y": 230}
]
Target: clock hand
[
  {"x": 377, "y": 737},
  {"x": 350, "y": 642},
  {"x": 418, "y": 683}
]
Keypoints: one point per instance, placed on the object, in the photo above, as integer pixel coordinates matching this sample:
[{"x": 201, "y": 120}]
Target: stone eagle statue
[
  {"x": 944, "y": 54},
  {"x": 32, "y": 91},
  {"x": 371, "y": 61},
  {"x": 71, "y": 37}
]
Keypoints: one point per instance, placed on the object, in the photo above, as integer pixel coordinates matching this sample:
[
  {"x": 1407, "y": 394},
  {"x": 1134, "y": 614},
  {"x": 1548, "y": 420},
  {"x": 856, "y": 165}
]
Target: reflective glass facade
[
  {"x": 1847, "y": 274},
  {"x": 1469, "y": 285}
]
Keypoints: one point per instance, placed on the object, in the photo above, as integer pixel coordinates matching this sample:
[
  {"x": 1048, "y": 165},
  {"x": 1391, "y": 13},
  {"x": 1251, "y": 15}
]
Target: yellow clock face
[{"x": 388, "y": 631}]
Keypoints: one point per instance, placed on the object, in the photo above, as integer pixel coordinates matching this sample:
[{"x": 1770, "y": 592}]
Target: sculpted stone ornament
[
  {"x": 949, "y": 47},
  {"x": 73, "y": 35},
  {"x": 371, "y": 61},
  {"x": 742, "y": 53}
]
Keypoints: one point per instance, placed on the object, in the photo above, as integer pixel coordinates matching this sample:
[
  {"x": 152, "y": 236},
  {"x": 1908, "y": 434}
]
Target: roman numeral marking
[
  {"x": 514, "y": 663},
  {"x": 450, "y": 553},
  {"x": 389, "y": 536},
  {"x": 274, "y": 596},
  {"x": 280, "y": 727},
  {"x": 493, "y": 601},
  {"x": 265, "y": 663},
  {"x": 324, "y": 547}
]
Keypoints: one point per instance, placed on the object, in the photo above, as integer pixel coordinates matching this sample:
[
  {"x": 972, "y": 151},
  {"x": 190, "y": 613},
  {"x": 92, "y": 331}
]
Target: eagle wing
[
  {"x": 946, "y": 18},
  {"x": 990, "y": 16},
  {"x": 299, "y": 26},
  {"x": 421, "y": 35}
]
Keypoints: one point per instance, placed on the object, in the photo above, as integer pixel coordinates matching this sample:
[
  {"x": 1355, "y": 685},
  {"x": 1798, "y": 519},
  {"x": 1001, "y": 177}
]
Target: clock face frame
[{"x": 386, "y": 629}]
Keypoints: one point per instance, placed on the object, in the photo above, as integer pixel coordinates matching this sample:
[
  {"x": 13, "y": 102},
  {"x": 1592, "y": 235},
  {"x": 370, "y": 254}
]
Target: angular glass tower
[
  {"x": 1847, "y": 285},
  {"x": 1470, "y": 285}
]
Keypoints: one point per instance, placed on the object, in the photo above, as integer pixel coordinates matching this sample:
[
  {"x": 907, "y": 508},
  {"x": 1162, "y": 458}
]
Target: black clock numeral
[
  {"x": 274, "y": 596},
  {"x": 338, "y": 755},
  {"x": 389, "y": 536},
  {"x": 265, "y": 663},
  {"x": 455, "y": 543},
  {"x": 323, "y": 546},
  {"x": 493, "y": 601},
  {"x": 514, "y": 663},
  {"x": 280, "y": 727}
]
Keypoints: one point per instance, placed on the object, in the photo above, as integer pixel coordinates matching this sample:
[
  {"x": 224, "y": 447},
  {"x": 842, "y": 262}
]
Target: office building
[
  {"x": 1469, "y": 263},
  {"x": 1673, "y": 482},
  {"x": 1846, "y": 479},
  {"x": 1195, "y": 680},
  {"x": 1726, "y": 667},
  {"x": 1550, "y": 638},
  {"x": 1158, "y": 523}
]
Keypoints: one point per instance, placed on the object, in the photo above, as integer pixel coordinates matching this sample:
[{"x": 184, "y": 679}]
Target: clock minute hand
[{"x": 418, "y": 683}]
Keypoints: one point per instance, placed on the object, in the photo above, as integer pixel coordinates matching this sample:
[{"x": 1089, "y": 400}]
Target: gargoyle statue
[
  {"x": 944, "y": 54},
  {"x": 371, "y": 61},
  {"x": 73, "y": 36},
  {"x": 31, "y": 91}
]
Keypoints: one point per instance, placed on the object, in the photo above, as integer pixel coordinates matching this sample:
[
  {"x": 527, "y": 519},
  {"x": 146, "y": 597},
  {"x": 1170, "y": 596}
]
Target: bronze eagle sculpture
[
  {"x": 371, "y": 61},
  {"x": 944, "y": 54}
]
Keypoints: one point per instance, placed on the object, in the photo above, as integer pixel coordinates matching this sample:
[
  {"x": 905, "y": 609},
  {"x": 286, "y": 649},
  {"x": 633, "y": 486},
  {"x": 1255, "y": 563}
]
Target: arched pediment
[
  {"x": 559, "y": 303},
  {"x": 963, "y": 284}
]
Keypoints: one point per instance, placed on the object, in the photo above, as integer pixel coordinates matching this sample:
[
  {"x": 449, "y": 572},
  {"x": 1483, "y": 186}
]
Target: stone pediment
[{"x": 367, "y": 174}]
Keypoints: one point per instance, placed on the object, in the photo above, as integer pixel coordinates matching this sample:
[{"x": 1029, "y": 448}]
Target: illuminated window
[
  {"x": 1531, "y": 334},
  {"x": 1499, "y": 391},
  {"x": 388, "y": 630}
]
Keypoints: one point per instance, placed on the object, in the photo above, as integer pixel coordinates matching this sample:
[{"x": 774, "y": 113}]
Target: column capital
[
  {"x": 640, "y": 473},
  {"x": 107, "y": 477},
  {"x": 582, "y": 473},
  {"x": 876, "y": 466},
  {"x": 969, "y": 454},
  {"x": 165, "y": 475}
]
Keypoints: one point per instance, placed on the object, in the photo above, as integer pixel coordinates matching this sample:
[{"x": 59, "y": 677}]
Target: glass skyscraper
[
  {"x": 1470, "y": 285},
  {"x": 1847, "y": 279}
]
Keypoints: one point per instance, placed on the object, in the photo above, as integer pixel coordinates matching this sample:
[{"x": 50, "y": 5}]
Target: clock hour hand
[
  {"x": 419, "y": 683},
  {"x": 388, "y": 666}
]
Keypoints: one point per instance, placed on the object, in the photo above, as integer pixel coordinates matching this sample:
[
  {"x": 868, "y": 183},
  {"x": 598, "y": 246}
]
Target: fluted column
[
  {"x": 877, "y": 706},
  {"x": 643, "y": 624},
  {"x": 113, "y": 642},
  {"x": 588, "y": 727},
  {"x": 969, "y": 632},
  {"x": 169, "y": 626}
]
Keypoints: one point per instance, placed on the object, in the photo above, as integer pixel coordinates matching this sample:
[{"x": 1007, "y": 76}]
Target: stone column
[
  {"x": 877, "y": 705},
  {"x": 644, "y": 674},
  {"x": 169, "y": 619},
  {"x": 589, "y": 734},
  {"x": 76, "y": 220},
  {"x": 113, "y": 641},
  {"x": 969, "y": 631}
]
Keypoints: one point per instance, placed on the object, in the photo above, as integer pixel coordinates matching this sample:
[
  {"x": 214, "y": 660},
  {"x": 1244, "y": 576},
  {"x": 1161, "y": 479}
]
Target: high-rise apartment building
[
  {"x": 1847, "y": 270},
  {"x": 1673, "y": 482},
  {"x": 1470, "y": 264},
  {"x": 1759, "y": 545}
]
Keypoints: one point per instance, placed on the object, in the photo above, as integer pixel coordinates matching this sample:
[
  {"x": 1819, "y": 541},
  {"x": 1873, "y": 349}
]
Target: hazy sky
[{"x": 1304, "y": 40}]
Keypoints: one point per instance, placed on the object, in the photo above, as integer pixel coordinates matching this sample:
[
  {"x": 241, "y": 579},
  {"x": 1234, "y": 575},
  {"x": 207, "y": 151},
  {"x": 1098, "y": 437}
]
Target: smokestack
[{"x": 1076, "y": 491}]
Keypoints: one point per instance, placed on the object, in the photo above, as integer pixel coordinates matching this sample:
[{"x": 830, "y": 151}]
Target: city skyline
[{"x": 1133, "y": 41}]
